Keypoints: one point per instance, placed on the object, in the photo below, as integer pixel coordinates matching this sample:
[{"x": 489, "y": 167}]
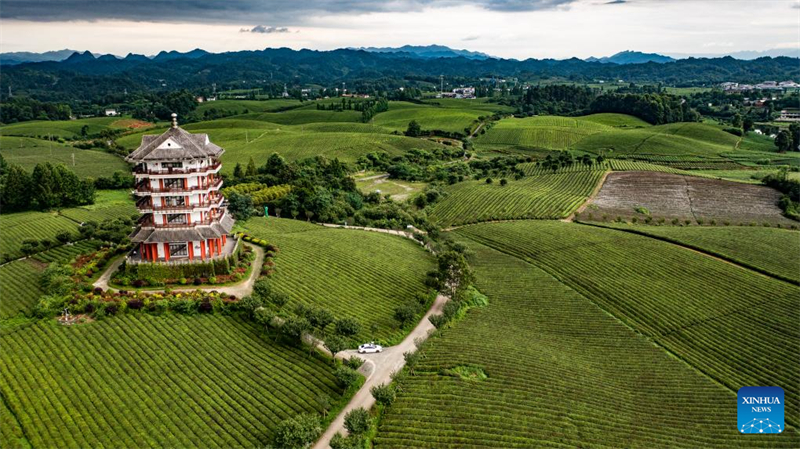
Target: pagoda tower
[{"x": 184, "y": 217}]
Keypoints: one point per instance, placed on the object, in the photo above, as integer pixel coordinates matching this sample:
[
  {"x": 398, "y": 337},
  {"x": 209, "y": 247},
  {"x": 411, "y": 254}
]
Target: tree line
[{"x": 48, "y": 186}]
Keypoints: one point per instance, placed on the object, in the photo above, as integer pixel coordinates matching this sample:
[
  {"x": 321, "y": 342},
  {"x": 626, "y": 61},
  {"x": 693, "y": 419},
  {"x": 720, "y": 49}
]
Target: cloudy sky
[{"x": 506, "y": 28}]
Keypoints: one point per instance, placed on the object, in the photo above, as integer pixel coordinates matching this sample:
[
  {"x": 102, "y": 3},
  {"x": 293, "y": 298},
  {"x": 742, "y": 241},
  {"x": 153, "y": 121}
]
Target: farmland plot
[
  {"x": 550, "y": 132},
  {"x": 686, "y": 198},
  {"x": 27, "y": 152},
  {"x": 533, "y": 197},
  {"x": 560, "y": 373},
  {"x": 148, "y": 381},
  {"x": 698, "y": 308},
  {"x": 359, "y": 274}
]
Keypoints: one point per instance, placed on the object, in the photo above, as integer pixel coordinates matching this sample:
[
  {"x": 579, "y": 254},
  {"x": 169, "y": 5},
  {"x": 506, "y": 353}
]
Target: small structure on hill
[{"x": 184, "y": 217}]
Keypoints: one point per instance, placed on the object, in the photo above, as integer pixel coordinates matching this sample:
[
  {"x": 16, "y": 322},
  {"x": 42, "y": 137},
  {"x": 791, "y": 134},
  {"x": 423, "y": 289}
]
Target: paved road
[
  {"x": 240, "y": 290},
  {"x": 378, "y": 370}
]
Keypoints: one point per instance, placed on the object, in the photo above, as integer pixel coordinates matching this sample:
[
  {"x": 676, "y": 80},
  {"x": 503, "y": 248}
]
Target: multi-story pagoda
[{"x": 184, "y": 217}]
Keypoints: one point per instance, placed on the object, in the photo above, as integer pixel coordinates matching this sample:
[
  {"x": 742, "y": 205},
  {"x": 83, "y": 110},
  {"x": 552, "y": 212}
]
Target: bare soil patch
[{"x": 664, "y": 195}]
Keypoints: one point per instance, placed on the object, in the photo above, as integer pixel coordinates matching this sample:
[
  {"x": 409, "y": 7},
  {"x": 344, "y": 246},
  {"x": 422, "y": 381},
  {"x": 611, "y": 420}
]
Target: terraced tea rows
[
  {"x": 697, "y": 307},
  {"x": 364, "y": 275},
  {"x": 560, "y": 373},
  {"x": 109, "y": 204},
  {"x": 550, "y": 132},
  {"x": 19, "y": 287},
  {"x": 691, "y": 198},
  {"x": 533, "y": 197},
  {"x": 768, "y": 250},
  {"x": 17, "y": 227},
  {"x": 156, "y": 381},
  {"x": 676, "y": 139}
]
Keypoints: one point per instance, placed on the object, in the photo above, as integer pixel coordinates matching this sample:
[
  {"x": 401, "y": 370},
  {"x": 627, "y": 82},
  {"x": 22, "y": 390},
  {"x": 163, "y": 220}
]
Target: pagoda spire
[{"x": 174, "y": 120}]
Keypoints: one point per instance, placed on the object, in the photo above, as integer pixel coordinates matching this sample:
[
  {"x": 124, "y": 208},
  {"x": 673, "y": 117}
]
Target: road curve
[{"x": 378, "y": 370}]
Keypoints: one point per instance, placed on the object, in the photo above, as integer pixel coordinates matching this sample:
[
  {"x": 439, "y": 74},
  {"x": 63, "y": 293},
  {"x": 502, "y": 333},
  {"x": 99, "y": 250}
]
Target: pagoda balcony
[
  {"x": 142, "y": 171},
  {"x": 144, "y": 189},
  {"x": 144, "y": 206},
  {"x": 148, "y": 223}
]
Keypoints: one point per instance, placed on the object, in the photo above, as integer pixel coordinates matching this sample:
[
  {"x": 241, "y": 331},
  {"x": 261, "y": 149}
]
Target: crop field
[
  {"x": 242, "y": 139},
  {"x": 27, "y": 152},
  {"x": 20, "y": 226},
  {"x": 67, "y": 128},
  {"x": 548, "y": 132},
  {"x": 108, "y": 204},
  {"x": 450, "y": 118},
  {"x": 616, "y": 120},
  {"x": 156, "y": 381},
  {"x": 686, "y": 198},
  {"x": 677, "y": 139},
  {"x": 560, "y": 373},
  {"x": 753, "y": 176},
  {"x": 19, "y": 287},
  {"x": 533, "y": 197},
  {"x": 701, "y": 309},
  {"x": 476, "y": 104},
  {"x": 236, "y": 107},
  {"x": 768, "y": 250},
  {"x": 359, "y": 274}
]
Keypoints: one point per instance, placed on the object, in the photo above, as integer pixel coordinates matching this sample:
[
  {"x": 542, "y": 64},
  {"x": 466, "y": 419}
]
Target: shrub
[
  {"x": 347, "y": 327},
  {"x": 97, "y": 291},
  {"x": 205, "y": 307},
  {"x": 262, "y": 289},
  {"x": 138, "y": 283},
  {"x": 197, "y": 281},
  {"x": 503, "y": 181},
  {"x": 489, "y": 180},
  {"x": 279, "y": 299},
  {"x": 64, "y": 237},
  {"x": 383, "y": 394},
  {"x": 348, "y": 442},
  {"x": 183, "y": 281},
  {"x": 346, "y": 376},
  {"x": 135, "y": 303},
  {"x": 354, "y": 362},
  {"x": 405, "y": 314},
  {"x": 297, "y": 432},
  {"x": 111, "y": 308},
  {"x": 212, "y": 280},
  {"x": 357, "y": 421}
]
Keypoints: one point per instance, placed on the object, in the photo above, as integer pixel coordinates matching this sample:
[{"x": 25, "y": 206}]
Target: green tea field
[
  {"x": 559, "y": 373},
  {"x": 27, "y": 152},
  {"x": 155, "y": 381},
  {"x": 694, "y": 306},
  {"x": 364, "y": 275},
  {"x": 546, "y": 196}
]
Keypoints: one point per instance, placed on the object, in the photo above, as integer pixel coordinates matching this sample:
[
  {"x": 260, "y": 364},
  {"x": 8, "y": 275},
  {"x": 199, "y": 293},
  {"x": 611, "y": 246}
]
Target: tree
[
  {"x": 794, "y": 131},
  {"x": 383, "y": 394},
  {"x": 15, "y": 192},
  {"x": 323, "y": 402},
  {"x": 279, "y": 299},
  {"x": 335, "y": 344},
  {"x": 298, "y": 432},
  {"x": 747, "y": 124},
  {"x": 240, "y": 205},
  {"x": 737, "y": 120},
  {"x": 346, "y": 376},
  {"x": 262, "y": 289},
  {"x": 348, "y": 442},
  {"x": 413, "y": 130},
  {"x": 238, "y": 171},
  {"x": 263, "y": 316},
  {"x": 63, "y": 237},
  {"x": 251, "y": 168},
  {"x": 84, "y": 130},
  {"x": 438, "y": 320},
  {"x": 320, "y": 318},
  {"x": 503, "y": 181},
  {"x": 357, "y": 421},
  {"x": 412, "y": 357},
  {"x": 783, "y": 141},
  {"x": 404, "y": 314},
  {"x": 347, "y": 327},
  {"x": 294, "y": 328}
]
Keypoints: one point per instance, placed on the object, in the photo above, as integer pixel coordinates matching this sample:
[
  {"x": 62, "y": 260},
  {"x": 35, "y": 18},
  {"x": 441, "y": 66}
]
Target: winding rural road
[
  {"x": 378, "y": 369},
  {"x": 239, "y": 290}
]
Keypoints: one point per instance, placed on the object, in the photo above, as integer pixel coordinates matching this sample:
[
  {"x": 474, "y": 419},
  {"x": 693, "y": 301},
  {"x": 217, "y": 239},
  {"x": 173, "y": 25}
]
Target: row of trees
[
  {"x": 22, "y": 109},
  {"x": 788, "y": 139},
  {"x": 656, "y": 109},
  {"x": 49, "y": 186}
]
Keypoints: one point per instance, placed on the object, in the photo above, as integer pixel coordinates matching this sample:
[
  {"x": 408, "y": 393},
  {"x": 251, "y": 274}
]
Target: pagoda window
[
  {"x": 172, "y": 164},
  {"x": 173, "y": 183},
  {"x": 178, "y": 250},
  {"x": 173, "y": 201},
  {"x": 176, "y": 218}
]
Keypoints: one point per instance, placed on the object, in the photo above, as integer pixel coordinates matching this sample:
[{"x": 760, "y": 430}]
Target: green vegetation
[
  {"x": 156, "y": 381},
  {"x": 769, "y": 250},
  {"x": 676, "y": 139},
  {"x": 696, "y": 307},
  {"x": 68, "y": 129},
  {"x": 548, "y": 132},
  {"x": 27, "y": 152},
  {"x": 452, "y": 119},
  {"x": 364, "y": 275},
  {"x": 560, "y": 373},
  {"x": 398, "y": 189},
  {"x": 20, "y": 226},
  {"x": 545, "y": 196}
]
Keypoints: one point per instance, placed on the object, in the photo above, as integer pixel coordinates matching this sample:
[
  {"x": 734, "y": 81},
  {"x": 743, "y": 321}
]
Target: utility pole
[
  {"x": 441, "y": 84},
  {"x": 73, "y": 159}
]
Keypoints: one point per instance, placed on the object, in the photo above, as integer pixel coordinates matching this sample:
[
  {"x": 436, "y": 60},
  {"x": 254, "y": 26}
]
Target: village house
[{"x": 184, "y": 217}]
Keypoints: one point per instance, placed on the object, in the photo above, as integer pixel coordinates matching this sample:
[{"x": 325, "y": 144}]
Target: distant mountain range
[
  {"x": 428, "y": 51},
  {"x": 409, "y": 51},
  {"x": 632, "y": 57}
]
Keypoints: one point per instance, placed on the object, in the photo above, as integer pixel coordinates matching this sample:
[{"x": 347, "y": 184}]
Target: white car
[{"x": 370, "y": 348}]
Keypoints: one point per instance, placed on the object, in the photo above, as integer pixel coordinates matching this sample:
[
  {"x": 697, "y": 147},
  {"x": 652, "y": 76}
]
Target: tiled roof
[{"x": 188, "y": 146}]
